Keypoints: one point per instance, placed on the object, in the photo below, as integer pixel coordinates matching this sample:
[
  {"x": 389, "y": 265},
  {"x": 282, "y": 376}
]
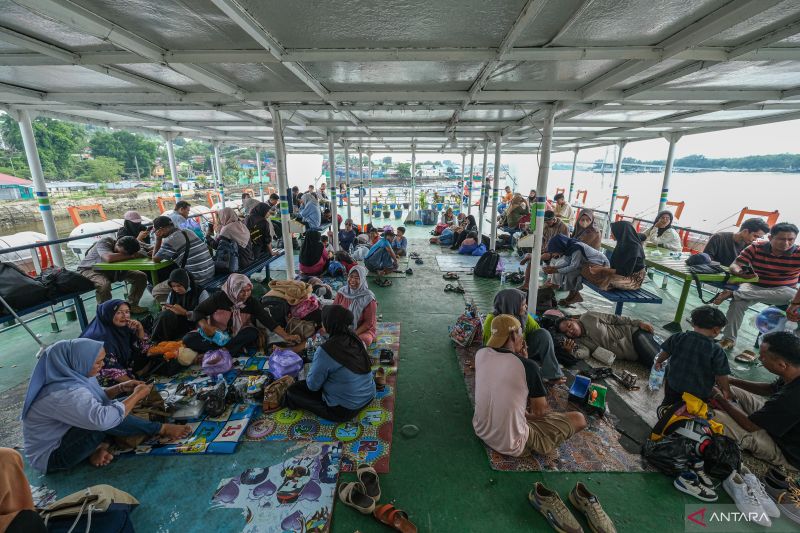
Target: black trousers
[
  {"x": 278, "y": 227},
  {"x": 646, "y": 346},
  {"x": 246, "y": 338},
  {"x": 170, "y": 327},
  {"x": 27, "y": 521},
  {"x": 299, "y": 396}
]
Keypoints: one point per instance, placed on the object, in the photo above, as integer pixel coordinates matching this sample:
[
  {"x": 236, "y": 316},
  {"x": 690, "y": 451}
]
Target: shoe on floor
[
  {"x": 787, "y": 500},
  {"x": 745, "y": 500},
  {"x": 690, "y": 484},
  {"x": 781, "y": 480},
  {"x": 700, "y": 471},
  {"x": 761, "y": 494},
  {"x": 550, "y": 505},
  {"x": 588, "y": 504},
  {"x": 727, "y": 344}
]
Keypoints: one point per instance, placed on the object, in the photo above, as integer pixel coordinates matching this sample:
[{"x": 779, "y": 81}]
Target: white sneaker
[
  {"x": 745, "y": 500},
  {"x": 758, "y": 489}
]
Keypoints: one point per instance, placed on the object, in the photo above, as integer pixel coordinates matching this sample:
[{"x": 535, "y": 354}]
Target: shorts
[{"x": 548, "y": 433}]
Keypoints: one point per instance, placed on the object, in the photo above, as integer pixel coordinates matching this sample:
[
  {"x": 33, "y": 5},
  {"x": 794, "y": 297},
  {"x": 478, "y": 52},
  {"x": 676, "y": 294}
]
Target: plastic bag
[
  {"x": 216, "y": 362},
  {"x": 285, "y": 362}
]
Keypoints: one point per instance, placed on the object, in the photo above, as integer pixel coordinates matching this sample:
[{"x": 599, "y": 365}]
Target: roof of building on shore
[
  {"x": 5, "y": 179},
  {"x": 442, "y": 76}
]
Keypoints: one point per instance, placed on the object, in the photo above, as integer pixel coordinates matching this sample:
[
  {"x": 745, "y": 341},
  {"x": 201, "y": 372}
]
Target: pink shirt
[
  {"x": 317, "y": 268},
  {"x": 368, "y": 316}
]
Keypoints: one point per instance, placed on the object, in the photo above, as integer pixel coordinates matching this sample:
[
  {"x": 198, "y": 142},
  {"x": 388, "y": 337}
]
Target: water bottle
[
  {"x": 503, "y": 276},
  {"x": 656, "y": 378}
]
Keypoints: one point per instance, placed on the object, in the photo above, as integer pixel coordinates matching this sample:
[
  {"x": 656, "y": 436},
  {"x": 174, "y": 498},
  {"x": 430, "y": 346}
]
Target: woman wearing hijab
[
  {"x": 583, "y": 261},
  {"x": 310, "y": 212},
  {"x": 339, "y": 383},
  {"x": 381, "y": 258},
  {"x": 538, "y": 341},
  {"x": 661, "y": 233},
  {"x": 231, "y": 312},
  {"x": 448, "y": 217},
  {"x": 67, "y": 416},
  {"x": 231, "y": 228},
  {"x": 248, "y": 204},
  {"x": 585, "y": 231},
  {"x": 313, "y": 256},
  {"x": 357, "y": 297},
  {"x": 470, "y": 226},
  {"x": 177, "y": 315},
  {"x": 124, "y": 339},
  {"x": 132, "y": 227},
  {"x": 17, "y": 514},
  {"x": 261, "y": 229},
  {"x": 628, "y": 257}
]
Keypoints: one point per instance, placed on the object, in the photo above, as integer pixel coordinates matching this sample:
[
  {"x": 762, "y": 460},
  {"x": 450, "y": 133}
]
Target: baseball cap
[
  {"x": 162, "y": 222},
  {"x": 700, "y": 259},
  {"x": 502, "y": 327},
  {"x": 133, "y": 216}
]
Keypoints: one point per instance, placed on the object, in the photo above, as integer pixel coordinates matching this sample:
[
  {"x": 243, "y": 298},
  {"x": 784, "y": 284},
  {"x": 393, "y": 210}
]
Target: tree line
[{"x": 774, "y": 162}]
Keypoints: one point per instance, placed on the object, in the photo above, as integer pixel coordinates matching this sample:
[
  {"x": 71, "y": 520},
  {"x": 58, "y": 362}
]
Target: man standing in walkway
[
  {"x": 724, "y": 247},
  {"x": 777, "y": 265},
  {"x": 109, "y": 250},
  {"x": 171, "y": 244}
]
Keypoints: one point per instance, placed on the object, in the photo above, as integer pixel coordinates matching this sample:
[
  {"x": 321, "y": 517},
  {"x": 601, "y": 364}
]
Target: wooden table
[
  {"x": 143, "y": 264},
  {"x": 673, "y": 264}
]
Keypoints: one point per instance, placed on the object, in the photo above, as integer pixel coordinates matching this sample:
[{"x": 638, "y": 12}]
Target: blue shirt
[
  {"x": 340, "y": 385},
  {"x": 402, "y": 244},
  {"x": 346, "y": 239},
  {"x": 311, "y": 215},
  {"x": 382, "y": 243}
]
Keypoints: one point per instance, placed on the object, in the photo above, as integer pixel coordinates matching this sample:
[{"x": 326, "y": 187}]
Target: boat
[
  {"x": 27, "y": 260},
  {"x": 81, "y": 246}
]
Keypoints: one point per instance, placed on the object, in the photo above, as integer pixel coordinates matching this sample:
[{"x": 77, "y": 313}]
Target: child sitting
[
  {"x": 327, "y": 245},
  {"x": 400, "y": 243},
  {"x": 696, "y": 362}
]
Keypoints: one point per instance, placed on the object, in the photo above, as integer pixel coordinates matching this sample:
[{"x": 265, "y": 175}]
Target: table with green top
[
  {"x": 674, "y": 264},
  {"x": 143, "y": 264}
]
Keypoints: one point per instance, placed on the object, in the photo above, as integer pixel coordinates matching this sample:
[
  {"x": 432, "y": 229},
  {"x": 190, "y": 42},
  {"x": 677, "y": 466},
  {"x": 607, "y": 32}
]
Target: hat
[
  {"x": 133, "y": 216},
  {"x": 162, "y": 222},
  {"x": 502, "y": 327},
  {"x": 700, "y": 259},
  {"x": 549, "y": 215}
]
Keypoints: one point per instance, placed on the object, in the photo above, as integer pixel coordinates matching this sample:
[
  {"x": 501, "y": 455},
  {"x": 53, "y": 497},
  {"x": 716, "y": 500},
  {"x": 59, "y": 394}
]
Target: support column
[
  {"x": 484, "y": 184},
  {"x": 673, "y": 139},
  {"x": 221, "y": 182},
  {"x": 461, "y": 181},
  {"x": 173, "y": 168},
  {"x": 541, "y": 202},
  {"x": 572, "y": 176},
  {"x": 39, "y": 185},
  {"x": 361, "y": 184},
  {"x": 347, "y": 180},
  {"x": 258, "y": 173},
  {"x": 470, "y": 177},
  {"x": 283, "y": 189},
  {"x": 369, "y": 169},
  {"x": 334, "y": 191},
  {"x": 615, "y": 188},
  {"x": 498, "y": 141},
  {"x": 412, "y": 213}
]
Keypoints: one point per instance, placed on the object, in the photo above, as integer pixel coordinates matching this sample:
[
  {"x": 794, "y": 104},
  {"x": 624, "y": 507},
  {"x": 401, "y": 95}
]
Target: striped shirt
[
  {"x": 772, "y": 270},
  {"x": 199, "y": 263}
]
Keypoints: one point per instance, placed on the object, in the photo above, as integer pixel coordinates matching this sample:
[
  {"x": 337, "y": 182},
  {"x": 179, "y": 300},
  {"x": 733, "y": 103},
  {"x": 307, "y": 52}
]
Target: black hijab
[
  {"x": 259, "y": 211},
  {"x": 191, "y": 297},
  {"x": 312, "y": 248},
  {"x": 628, "y": 256},
  {"x": 471, "y": 224},
  {"x": 665, "y": 228},
  {"x": 344, "y": 346}
]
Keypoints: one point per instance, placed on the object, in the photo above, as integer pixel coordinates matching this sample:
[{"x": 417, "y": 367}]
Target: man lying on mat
[{"x": 511, "y": 411}]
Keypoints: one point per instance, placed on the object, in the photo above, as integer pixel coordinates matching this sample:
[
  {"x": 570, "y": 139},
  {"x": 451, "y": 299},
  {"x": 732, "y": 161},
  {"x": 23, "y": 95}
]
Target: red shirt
[{"x": 772, "y": 270}]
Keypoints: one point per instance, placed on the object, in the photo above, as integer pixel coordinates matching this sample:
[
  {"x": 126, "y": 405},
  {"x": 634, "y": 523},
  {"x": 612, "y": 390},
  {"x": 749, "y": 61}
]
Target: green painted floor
[{"x": 441, "y": 476}]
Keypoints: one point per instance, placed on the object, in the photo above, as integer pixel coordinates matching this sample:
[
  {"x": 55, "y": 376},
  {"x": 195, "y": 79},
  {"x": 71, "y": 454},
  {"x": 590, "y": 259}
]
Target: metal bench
[
  {"x": 259, "y": 263},
  {"x": 620, "y": 297},
  {"x": 80, "y": 310}
]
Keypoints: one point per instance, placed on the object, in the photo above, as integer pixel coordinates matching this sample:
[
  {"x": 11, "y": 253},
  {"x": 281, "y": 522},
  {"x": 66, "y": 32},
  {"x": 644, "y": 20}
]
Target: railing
[
  {"x": 75, "y": 212},
  {"x": 692, "y": 245}
]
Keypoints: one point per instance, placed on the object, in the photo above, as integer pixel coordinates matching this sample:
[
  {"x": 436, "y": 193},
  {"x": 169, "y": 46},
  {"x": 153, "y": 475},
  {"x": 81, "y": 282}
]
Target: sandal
[
  {"x": 454, "y": 288},
  {"x": 274, "y": 393},
  {"x": 418, "y": 261},
  {"x": 747, "y": 356},
  {"x": 369, "y": 479},
  {"x": 409, "y": 271},
  {"x": 394, "y": 518},
  {"x": 450, "y": 276},
  {"x": 354, "y": 495},
  {"x": 380, "y": 379},
  {"x": 383, "y": 282}
]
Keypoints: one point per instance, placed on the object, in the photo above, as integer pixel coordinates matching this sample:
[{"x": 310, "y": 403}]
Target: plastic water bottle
[
  {"x": 656, "y": 378},
  {"x": 503, "y": 276}
]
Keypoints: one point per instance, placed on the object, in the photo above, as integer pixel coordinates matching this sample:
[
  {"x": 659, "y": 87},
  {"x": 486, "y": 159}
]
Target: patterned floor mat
[
  {"x": 368, "y": 439},
  {"x": 595, "y": 449}
]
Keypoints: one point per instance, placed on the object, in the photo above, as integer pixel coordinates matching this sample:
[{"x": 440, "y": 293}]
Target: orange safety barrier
[
  {"x": 210, "y": 195},
  {"x": 678, "y": 208},
  {"x": 76, "y": 210},
  {"x": 770, "y": 216},
  {"x": 580, "y": 192},
  {"x": 160, "y": 202},
  {"x": 624, "y": 199}
]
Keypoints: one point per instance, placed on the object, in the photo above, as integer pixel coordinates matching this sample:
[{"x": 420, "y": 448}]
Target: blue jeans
[{"x": 77, "y": 444}]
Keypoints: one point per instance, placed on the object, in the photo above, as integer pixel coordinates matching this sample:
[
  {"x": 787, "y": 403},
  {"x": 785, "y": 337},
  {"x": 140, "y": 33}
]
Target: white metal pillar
[
  {"x": 673, "y": 139},
  {"x": 283, "y": 189},
  {"x": 39, "y": 185},
  {"x": 469, "y": 180},
  {"x": 412, "y": 213},
  {"x": 498, "y": 141},
  {"x": 541, "y": 202},
  {"x": 173, "y": 167},
  {"x": 347, "y": 180},
  {"x": 461, "y": 181},
  {"x": 221, "y": 182},
  {"x": 258, "y": 173},
  {"x": 369, "y": 168},
  {"x": 572, "y": 176},
  {"x": 361, "y": 184},
  {"x": 334, "y": 191},
  {"x": 615, "y": 188},
  {"x": 484, "y": 184}
]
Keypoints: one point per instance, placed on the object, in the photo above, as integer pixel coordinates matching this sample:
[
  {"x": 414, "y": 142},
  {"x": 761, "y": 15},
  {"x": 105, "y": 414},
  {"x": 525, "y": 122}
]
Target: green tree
[
  {"x": 101, "y": 169},
  {"x": 404, "y": 170},
  {"x": 58, "y": 143},
  {"x": 130, "y": 148}
]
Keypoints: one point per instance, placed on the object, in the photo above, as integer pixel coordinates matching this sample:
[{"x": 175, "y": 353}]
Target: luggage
[
  {"x": 439, "y": 228},
  {"x": 479, "y": 250},
  {"x": 278, "y": 308},
  {"x": 226, "y": 260},
  {"x": 60, "y": 281},
  {"x": 20, "y": 290},
  {"x": 487, "y": 265}
]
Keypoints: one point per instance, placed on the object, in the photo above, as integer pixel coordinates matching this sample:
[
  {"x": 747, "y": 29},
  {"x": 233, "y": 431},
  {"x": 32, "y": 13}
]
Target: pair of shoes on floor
[
  {"x": 550, "y": 504},
  {"x": 751, "y": 497},
  {"x": 785, "y": 492},
  {"x": 453, "y": 288},
  {"x": 363, "y": 496},
  {"x": 696, "y": 483}
]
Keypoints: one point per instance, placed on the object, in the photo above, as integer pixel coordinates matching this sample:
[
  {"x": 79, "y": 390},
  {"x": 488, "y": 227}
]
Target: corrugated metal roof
[{"x": 5, "y": 179}]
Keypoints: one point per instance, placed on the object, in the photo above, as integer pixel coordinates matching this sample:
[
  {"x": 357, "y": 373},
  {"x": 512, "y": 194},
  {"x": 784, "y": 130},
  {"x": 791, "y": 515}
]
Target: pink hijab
[
  {"x": 231, "y": 228},
  {"x": 232, "y": 288}
]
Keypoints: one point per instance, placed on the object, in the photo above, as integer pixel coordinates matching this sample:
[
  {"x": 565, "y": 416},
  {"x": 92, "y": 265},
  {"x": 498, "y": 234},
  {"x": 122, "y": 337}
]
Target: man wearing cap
[
  {"x": 111, "y": 250},
  {"x": 552, "y": 227},
  {"x": 171, "y": 244},
  {"x": 511, "y": 411}
]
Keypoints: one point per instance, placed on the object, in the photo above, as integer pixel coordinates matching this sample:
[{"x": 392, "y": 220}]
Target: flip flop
[
  {"x": 454, "y": 288},
  {"x": 274, "y": 393},
  {"x": 394, "y": 518},
  {"x": 418, "y": 261},
  {"x": 354, "y": 495},
  {"x": 450, "y": 276},
  {"x": 369, "y": 478},
  {"x": 409, "y": 271},
  {"x": 380, "y": 379},
  {"x": 747, "y": 356}
]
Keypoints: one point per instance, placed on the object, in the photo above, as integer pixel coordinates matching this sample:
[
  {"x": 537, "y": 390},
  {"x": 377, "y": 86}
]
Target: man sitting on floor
[
  {"x": 110, "y": 250},
  {"x": 777, "y": 265},
  {"x": 511, "y": 411},
  {"x": 725, "y": 247},
  {"x": 765, "y": 419}
]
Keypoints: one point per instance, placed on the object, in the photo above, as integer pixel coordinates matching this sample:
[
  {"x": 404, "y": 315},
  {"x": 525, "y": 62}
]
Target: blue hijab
[
  {"x": 561, "y": 244},
  {"x": 65, "y": 365},
  {"x": 118, "y": 340}
]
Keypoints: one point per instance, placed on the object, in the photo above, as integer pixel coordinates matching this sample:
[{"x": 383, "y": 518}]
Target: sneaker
[
  {"x": 787, "y": 500},
  {"x": 587, "y": 503},
  {"x": 689, "y": 483},
  {"x": 550, "y": 505},
  {"x": 758, "y": 489},
  {"x": 700, "y": 470},
  {"x": 779, "y": 479},
  {"x": 745, "y": 500}
]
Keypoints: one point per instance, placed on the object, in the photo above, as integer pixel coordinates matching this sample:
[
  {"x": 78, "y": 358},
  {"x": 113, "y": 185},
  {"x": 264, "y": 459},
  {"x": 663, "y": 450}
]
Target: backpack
[
  {"x": 487, "y": 265},
  {"x": 278, "y": 308},
  {"x": 545, "y": 300},
  {"x": 305, "y": 307},
  {"x": 20, "y": 290},
  {"x": 226, "y": 260},
  {"x": 60, "y": 281},
  {"x": 335, "y": 268}
]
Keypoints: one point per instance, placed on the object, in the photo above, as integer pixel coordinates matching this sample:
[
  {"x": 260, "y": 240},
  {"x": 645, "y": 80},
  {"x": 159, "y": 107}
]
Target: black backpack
[
  {"x": 19, "y": 289},
  {"x": 226, "y": 259},
  {"x": 487, "y": 265},
  {"x": 60, "y": 281}
]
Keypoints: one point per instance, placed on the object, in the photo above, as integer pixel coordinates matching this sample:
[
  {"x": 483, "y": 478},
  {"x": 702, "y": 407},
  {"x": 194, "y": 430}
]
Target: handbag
[
  {"x": 466, "y": 328},
  {"x": 99, "y": 508},
  {"x": 306, "y": 306},
  {"x": 303, "y": 328}
]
